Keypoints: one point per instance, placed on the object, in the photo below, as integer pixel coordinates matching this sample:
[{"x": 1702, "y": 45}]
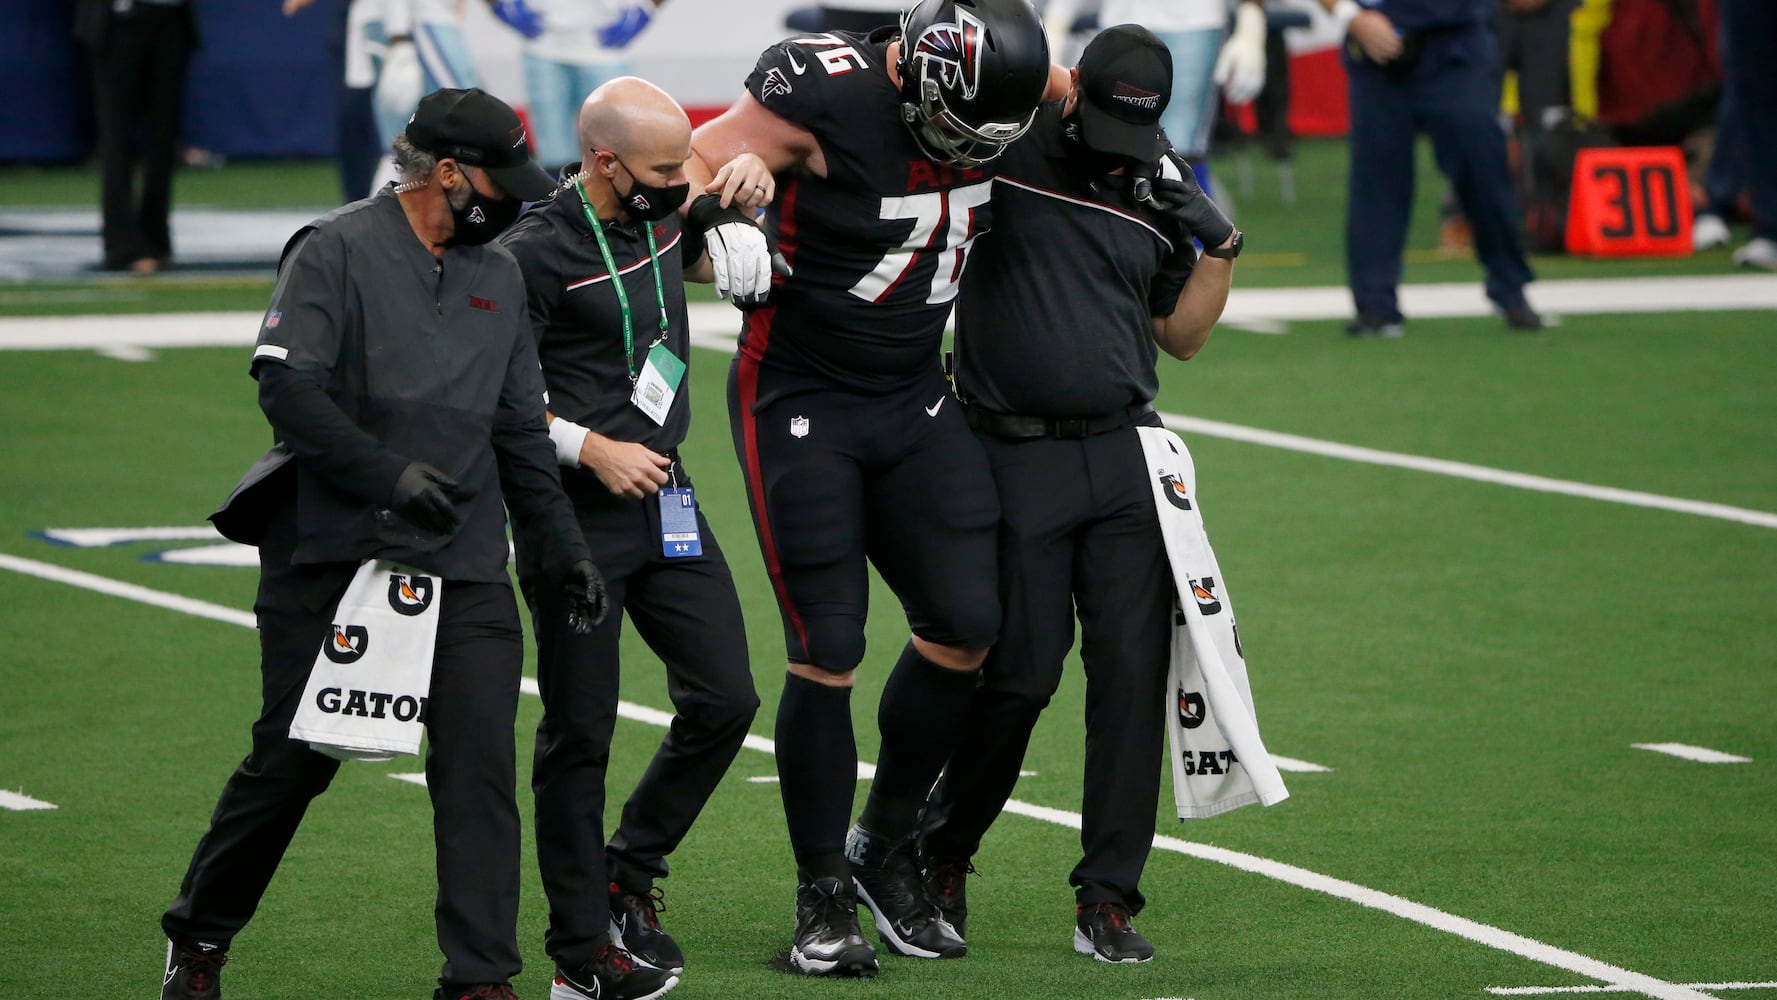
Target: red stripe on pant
[{"x": 747, "y": 376}]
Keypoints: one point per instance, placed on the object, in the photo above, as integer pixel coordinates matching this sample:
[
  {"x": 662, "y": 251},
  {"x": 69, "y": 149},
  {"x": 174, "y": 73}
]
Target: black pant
[
  {"x": 1077, "y": 530},
  {"x": 139, "y": 69},
  {"x": 470, "y": 767},
  {"x": 687, "y": 612}
]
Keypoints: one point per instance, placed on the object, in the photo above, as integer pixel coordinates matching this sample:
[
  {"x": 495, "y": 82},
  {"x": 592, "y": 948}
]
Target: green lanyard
[{"x": 629, "y": 333}]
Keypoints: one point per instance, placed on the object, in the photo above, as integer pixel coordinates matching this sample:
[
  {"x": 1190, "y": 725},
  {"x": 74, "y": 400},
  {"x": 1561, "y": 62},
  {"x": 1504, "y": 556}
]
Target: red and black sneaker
[
  {"x": 946, "y": 886},
  {"x": 1103, "y": 931},
  {"x": 480, "y": 991},
  {"x": 613, "y": 974},
  {"x": 194, "y": 971},
  {"x": 635, "y": 927}
]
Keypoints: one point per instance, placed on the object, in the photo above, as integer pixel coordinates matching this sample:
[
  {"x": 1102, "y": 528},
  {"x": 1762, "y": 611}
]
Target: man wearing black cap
[
  {"x": 397, "y": 370},
  {"x": 1089, "y": 269}
]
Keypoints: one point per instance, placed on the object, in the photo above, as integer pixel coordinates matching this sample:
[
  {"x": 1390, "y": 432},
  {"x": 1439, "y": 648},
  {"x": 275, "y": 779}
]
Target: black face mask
[
  {"x": 1088, "y": 161},
  {"x": 480, "y": 218},
  {"x": 645, "y": 201}
]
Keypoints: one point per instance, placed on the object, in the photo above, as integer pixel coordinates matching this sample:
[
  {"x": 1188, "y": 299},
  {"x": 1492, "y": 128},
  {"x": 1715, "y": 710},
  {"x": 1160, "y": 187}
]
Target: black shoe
[
  {"x": 1375, "y": 326},
  {"x": 194, "y": 971},
  {"x": 635, "y": 927},
  {"x": 889, "y": 883},
  {"x": 947, "y": 889},
  {"x": 613, "y": 974},
  {"x": 828, "y": 940},
  {"x": 480, "y": 991},
  {"x": 1103, "y": 931},
  {"x": 1521, "y": 317}
]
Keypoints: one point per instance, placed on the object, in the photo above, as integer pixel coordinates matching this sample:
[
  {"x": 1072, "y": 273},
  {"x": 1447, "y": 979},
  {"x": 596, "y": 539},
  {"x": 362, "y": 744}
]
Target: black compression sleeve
[{"x": 324, "y": 439}]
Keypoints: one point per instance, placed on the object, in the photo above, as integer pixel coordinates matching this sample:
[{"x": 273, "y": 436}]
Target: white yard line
[
  {"x": 1702, "y": 755},
  {"x": 1479, "y": 933},
  {"x": 715, "y": 325},
  {"x": 1537, "y": 991},
  {"x": 16, "y": 802}
]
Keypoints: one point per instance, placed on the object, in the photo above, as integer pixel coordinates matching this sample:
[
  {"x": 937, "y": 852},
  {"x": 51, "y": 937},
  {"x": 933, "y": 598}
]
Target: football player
[{"x": 883, "y": 146}]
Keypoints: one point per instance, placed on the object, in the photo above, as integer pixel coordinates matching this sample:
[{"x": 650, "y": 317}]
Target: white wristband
[
  {"x": 568, "y": 437},
  {"x": 1344, "y": 12}
]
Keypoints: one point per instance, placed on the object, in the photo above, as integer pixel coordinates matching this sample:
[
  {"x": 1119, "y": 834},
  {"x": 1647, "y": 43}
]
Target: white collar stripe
[{"x": 1058, "y": 196}]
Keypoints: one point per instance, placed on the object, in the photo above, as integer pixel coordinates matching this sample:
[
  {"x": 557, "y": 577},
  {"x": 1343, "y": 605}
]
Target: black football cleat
[
  {"x": 194, "y": 971},
  {"x": 1375, "y": 327},
  {"x": 947, "y": 889},
  {"x": 635, "y": 927},
  {"x": 890, "y": 883},
  {"x": 480, "y": 991},
  {"x": 1521, "y": 317},
  {"x": 613, "y": 974},
  {"x": 1103, "y": 931},
  {"x": 828, "y": 939}
]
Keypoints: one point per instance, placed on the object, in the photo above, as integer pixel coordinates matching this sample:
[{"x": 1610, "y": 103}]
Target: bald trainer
[{"x": 605, "y": 259}]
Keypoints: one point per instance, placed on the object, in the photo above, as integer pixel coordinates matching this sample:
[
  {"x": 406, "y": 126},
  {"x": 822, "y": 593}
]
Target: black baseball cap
[
  {"x": 1125, "y": 84},
  {"x": 475, "y": 127}
]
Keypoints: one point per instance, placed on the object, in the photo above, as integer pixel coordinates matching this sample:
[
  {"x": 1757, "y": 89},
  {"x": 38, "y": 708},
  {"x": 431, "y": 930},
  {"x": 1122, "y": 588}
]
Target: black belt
[{"x": 1014, "y": 425}]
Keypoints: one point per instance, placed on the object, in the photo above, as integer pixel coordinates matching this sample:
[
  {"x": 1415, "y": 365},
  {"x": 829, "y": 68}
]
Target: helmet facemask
[{"x": 943, "y": 64}]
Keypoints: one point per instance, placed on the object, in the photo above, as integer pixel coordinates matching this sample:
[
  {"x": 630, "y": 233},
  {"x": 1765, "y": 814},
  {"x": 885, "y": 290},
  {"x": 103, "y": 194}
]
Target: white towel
[
  {"x": 366, "y": 695},
  {"x": 1219, "y": 762}
]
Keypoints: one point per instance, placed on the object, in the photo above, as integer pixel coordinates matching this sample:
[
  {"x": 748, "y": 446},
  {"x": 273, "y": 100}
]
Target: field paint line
[
  {"x": 1702, "y": 755},
  {"x": 17, "y": 802},
  {"x": 125, "y": 352},
  {"x": 411, "y": 777},
  {"x": 1537, "y": 991},
  {"x": 128, "y": 591},
  {"x": 99, "y": 538},
  {"x": 1474, "y": 931},
  {"x": 865, "y": 772},
  {"x": 1298, "y": 766},
  {"x": 1464, "y": 470},
  {"x": 240, "y": 329}
]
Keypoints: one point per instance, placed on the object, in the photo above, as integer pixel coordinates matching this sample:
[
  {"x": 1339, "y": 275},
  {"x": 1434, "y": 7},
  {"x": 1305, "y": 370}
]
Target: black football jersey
[{"x": 878, "y": 245}]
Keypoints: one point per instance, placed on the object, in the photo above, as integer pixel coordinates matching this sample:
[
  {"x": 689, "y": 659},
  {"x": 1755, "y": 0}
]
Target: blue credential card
[{"x": 678, "y": 523}]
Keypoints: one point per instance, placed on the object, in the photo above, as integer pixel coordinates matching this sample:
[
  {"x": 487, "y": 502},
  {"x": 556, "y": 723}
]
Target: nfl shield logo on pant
[{"x": 799, "y": 427}]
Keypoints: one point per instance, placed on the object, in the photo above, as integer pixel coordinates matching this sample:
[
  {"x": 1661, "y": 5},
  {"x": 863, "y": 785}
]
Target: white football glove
[
  {"x": 741, "y": 260},
  {"x": 1240, "y": 69}
]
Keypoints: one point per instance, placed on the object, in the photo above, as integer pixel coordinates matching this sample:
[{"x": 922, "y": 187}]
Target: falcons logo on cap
[{"x": 955, "y": 51}]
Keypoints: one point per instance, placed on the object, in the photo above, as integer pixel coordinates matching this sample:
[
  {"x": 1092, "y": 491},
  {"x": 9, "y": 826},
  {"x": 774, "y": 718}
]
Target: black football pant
[
  {"x": 1077, "y": 532},
  {"x": 470, "y": 761},
  {"x": 139, "y": 69},
  {"x": 687, "y": 611}
]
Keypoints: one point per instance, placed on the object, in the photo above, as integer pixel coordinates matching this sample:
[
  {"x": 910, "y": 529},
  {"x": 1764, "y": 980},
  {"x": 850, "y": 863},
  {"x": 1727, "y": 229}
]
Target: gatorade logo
[
  {"x": 1205, "y": 592},
  {"x": 1175, "y": 491},
  {"x": 348, "y": 644},
  {"x": 410, "y": 595},
  {"x": 1190, "y": 709}
]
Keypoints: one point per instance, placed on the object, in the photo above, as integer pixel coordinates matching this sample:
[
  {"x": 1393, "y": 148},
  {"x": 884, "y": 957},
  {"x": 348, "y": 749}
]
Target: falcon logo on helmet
[
  {"x": 971, "y": 75},
  {"x": 955, "y": 50}
]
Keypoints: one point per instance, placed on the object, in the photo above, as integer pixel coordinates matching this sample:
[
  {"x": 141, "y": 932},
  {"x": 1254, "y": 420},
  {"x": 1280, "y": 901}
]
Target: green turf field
[{"x": 1472, "y": 661}]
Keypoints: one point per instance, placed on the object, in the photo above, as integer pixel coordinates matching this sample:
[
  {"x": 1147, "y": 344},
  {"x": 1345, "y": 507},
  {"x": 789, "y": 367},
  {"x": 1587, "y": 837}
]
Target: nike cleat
[
  {"x": 194, "y": 971},
  {"x": 890, "y": 883},
  {"x": 613, "y": 974},
  {"x": 481, "y": 991},
  {"x": 635, "y": 927},
  {"x": 828, "y": 939},
  {"x": 1103, "y": 931},
  {"x": 947, "y": 889}
]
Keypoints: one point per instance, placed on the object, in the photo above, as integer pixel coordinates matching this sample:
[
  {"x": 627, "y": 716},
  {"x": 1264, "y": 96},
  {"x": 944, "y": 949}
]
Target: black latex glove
[
  {"x": 1184, "y": 200},
  {"x": 584, "y": 586},
  {"x": 422, "y": 496}
]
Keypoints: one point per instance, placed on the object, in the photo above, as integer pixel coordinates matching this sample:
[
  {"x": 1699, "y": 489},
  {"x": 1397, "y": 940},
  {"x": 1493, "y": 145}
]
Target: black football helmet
[{"x": 972, "y": 74}]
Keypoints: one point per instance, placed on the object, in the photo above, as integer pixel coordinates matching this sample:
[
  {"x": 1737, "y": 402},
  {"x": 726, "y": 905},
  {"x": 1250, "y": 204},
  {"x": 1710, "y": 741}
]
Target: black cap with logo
[
  {"x": 477, "y": 128},
  {"x": 1125, "y": 84}
]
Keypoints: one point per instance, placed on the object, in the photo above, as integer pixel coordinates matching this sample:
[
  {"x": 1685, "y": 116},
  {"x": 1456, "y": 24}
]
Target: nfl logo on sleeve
[{"x": 799, "y": 427}]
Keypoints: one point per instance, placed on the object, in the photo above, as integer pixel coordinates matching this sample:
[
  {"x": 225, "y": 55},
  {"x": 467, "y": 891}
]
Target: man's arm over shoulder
[{"x": 785, "y": 100}]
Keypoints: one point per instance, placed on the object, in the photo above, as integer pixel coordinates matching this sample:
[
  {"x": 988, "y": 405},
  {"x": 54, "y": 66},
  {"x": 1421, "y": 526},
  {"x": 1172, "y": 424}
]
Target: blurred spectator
[
  {"x": 1413, "y": 66},
  {"x": 1724, "y": 183},
  {"x": 1752, "y": 75},
  {"x": 1535, "y": 37},
  {"x": 571, "y": 48},
  {"x": 1659, "y": 70},
  {"x": 140, "y": 50},
  {"x": 1204, "y": 55}
]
